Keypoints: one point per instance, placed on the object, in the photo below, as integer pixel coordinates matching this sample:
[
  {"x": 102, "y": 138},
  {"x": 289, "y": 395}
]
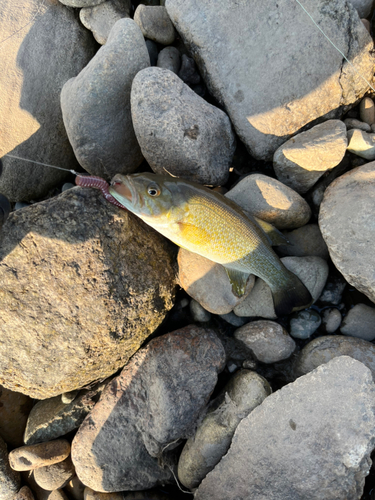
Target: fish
[{"x": 209, "y": 224}]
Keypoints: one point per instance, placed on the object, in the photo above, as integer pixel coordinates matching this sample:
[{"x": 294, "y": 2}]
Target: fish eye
[{"x": 153, "y": 190}]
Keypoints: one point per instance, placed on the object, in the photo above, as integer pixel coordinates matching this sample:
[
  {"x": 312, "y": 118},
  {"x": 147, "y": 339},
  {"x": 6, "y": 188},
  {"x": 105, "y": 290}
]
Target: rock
[
  {"x": 363, "y": 7},
  {"x": 330, "y": 433},
  {"x": 208, "y": 282},
  {"x": 52, "y": 418},
  {"x": 67, "y": 185},
  {"x": 75, "y": 489},
  {"x": 331, "y": 320},
  {"x": 268, "y": 341},
  {"x": 55, "y": 476},
  {"x": 81, "y": 3},
  {"x": 362, "y": 144},
  {"x": 367, "y": 110},
  {"x": 155, "y": 23},
  {"x": 9, "y": 479},
  {"x": 24, "y": 494},
  {"x": 366, "y": 24},
  {"x": 232, "y": 319},
  {"x": 353, "y": 123},
  {"x": 14, "y": 410},
  {"x": 39, "y": 455},
  {"x": 346, "y": 214},
  {"x": 97, "y": 495},
  {"x": 178, "y": 131},
  {"x": 270, "y": 200},
  {"x": 244, "y": 392},
  {"x": 68, "y": 397},
  {"x": 360, "y": 322},
  {"x": 291, "y": 82},
  {"x": 152, "y": 51},
  {"x": 323, "y": 349},
  {"x": 169, "y": 58},
  {"x": 98, "y": 122},
  {"x": 198, "y": 312},
  {"x": 302, "y": 160},
  {"x": 155, "y": 401},
  {"x": 304, "y": 241},
  {"x": 304, "y": 323},
  {"x": 21, "y": 204},
  {"x": 101, "y": 18},
  {"x": 188, "y": 72},
  {"x": 312, "y": 271},
  {"x": 89, "y": 280},
  {"x": 43, "y": 46},
  {"x": 333, "y": 290}
]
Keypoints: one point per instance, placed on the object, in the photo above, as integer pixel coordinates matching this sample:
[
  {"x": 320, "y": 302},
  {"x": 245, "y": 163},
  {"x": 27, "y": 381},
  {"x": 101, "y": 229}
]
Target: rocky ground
[{"x": 129, "y": 368}]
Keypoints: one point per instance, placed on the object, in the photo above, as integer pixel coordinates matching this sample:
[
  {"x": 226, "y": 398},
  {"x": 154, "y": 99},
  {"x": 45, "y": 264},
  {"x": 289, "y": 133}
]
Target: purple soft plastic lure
[{"x": 98, "y": 183}]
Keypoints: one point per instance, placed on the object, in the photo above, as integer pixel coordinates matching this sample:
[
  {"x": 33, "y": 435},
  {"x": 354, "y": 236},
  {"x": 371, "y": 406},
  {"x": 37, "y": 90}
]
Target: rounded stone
[
  {"x": 367, "y": 110},
  {"x": 9, "y": 479},
  {"x": 55, "y": 476},
  {"x": 198, "y": 312},
  {"x": 304, "y": 323},
  {"x": 322, "y": 349},
  {"x": 96, "y": 104},
  {"x": 81, "y": 3},
  {"x": 268, "y": 341},
  {"x": 331, "y": 320},
  {"x": 347, "y": 225},
  {"x": 155, "y": 23},
  {"x": 362, "y": 144},
  {"x": 271, "y": 200},
  {"x": 304, "y": 241},
  {"x": 24, "y": 493},
  {"x": 360, "y": 322},
  {"x": 169, "y": 58},
  {"x": 302, "y": 160},
  {"x": 39, "y": 455},
  {"x": 353, "y": 123},
  {"x": 179, "y": 132}
]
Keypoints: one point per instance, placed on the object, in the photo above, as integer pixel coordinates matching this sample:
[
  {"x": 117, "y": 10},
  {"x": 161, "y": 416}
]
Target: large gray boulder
[
  {"x": 346, "y": 220},
  {"x": 43, "y": 46},
  {"x": 96, "y": 104},
  {"x": 83, "y": 284},
  {"x": 311, "y": 439},
  {"x": 283, "y": 74},
  {"x": 178, "y": 131}
]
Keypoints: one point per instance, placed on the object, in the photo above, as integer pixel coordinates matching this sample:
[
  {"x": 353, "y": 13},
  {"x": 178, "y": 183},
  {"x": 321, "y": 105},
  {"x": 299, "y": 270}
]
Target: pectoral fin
[
  {"x": 275, "y": 236},
  {"x": 238, "y": 281}
]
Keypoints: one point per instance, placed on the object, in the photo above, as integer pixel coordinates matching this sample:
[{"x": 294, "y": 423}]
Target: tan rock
[
  {"x": 24, "y": 494},
  {"x": 271, "y": 200},
  {"x": 208, "y": 282},
  {"x": 28, "y": 458},
  {"x": 362, "y": 144},
  {"x": 90, "y": 494},
  {"x": 367, "y": 110},
  {"x": 91, "y": 283},
  {"x": 101, "y": 18},
  {"x": 346, "y": 221},
  {"x": 302, "y": 160},
  {"x": 55, "y": 476}
]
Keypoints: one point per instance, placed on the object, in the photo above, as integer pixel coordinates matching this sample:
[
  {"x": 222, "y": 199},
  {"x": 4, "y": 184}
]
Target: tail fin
[{"x": 291, "y": 296}]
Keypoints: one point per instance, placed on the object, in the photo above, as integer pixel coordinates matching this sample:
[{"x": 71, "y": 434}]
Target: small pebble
[
  {"x": 55, "y": 476},
  {"x": 69, "y": 397},
  {"x": 353, "y": 123},
  {"x": 304, "y": 241},
  {"x": 267, "y": 340},
  {"x": 373, "y": 127},
  {"x": 66, "y": 186},
  {"x": 367, "y": 24},
  {"x": 188, "y": 71},
  {"x": 367, "y": 110},
  {"x": 25, "y": 493},
  {"x": 331, "y": 320},
  {"x": 155, "y": 23},
  {"x": 304, "y": 323},
  {"x": 39, "y": 455},
  {"x": 169, "y": 58},
  {"x": 361, "y": 144},
  {"x": 198, "y": 312},
  {"x": 233, "y": 319},
  {"x": 360, "y": 322},
  {"x": 333, "y": 290}
]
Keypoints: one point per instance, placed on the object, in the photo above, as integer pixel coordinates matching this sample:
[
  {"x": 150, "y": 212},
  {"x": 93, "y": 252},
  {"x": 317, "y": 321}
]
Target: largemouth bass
[{"x": 209, "y": 224}]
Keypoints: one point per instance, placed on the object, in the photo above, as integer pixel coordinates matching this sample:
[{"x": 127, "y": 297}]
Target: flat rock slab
[
  {"x": 43, "y": 45},
  {"x": 322, "y": 424},
  {"x": 96, "y": 104},
  {"x": 155, "y": 401},
  {"x": 83, "y": 283},
  {"x": 283, "y": 74},
  {"x": 347, "y": 223}
]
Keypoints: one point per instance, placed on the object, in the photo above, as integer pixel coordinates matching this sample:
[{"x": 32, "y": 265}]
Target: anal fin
[{"x": 238, "y": 280}]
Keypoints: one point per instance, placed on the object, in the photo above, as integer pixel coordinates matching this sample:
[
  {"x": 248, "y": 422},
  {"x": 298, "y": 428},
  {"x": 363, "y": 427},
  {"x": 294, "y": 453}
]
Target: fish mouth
[{"x": 123, "y": 186}]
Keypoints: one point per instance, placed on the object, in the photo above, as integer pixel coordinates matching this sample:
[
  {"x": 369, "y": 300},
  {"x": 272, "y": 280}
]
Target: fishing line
[
  {"x": 338, "y": 50},
  {"x": 31, "y": 20},
  {"x": 44, "y": 164}
]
